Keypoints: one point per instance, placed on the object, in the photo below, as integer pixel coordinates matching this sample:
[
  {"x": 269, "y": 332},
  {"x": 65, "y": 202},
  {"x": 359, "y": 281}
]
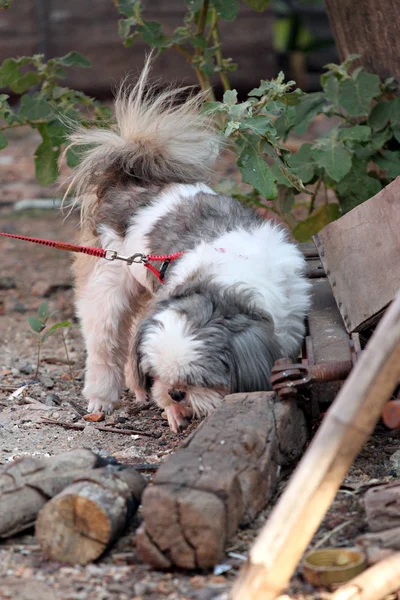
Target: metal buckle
[{"x": 135, "y": 258}]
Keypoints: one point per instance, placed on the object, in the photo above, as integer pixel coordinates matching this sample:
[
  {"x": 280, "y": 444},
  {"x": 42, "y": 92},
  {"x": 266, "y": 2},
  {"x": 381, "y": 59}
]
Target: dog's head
[{"x": 204, "y": 343}]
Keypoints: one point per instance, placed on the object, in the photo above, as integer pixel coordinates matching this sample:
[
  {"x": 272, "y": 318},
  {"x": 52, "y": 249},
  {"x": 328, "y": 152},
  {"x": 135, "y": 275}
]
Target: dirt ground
[{"x": 30, "y": 274}]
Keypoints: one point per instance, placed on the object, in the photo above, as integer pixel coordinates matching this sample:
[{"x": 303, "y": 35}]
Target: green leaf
[
  {"x": 389, "y": 162},
  {"x": 308, "y": 108},
  {"x": 256, "y": 172},
  {"x": 128, "y": 7},
  {"x": 396, "y": 132},
  {"x": 395, "y": 111},
  {"x": 380, "y": 115},
  {"x": 47, "y": 154},
  {"x": 73, "y": 59},
  {"x": 356, "y": 95},
  {"x": 230, "y": 97},
  {"x": 357, "y": 186},
  {"x": 194, "y": 5},
  {"x": 226, "y": 9},
  {"x": 302, "y": 163},
  {"x": 331, "y": 87},
  {"x": 9, "y": 72},
  {"x": 34, "y": 108},
  {"x": 43, "y": 311},
  {"x": 152, "y": 33},
  {"x": 3, "y": 141},
  {"x": 124, "y": 27},
  {"x": 380, "y": 138},
  {"x": 5, "y": 4},
  {"x": 259, "y": 124},
  {"x": 258, "y": 5},
  {"x": 54, "y": 328},
  {"x": 25, "y": 82},
  {"x": 334, "y": 157},
  {"x": 323, "y": 215},
  {"x": 35, "y": 324},
  {"x": 285, "y": 200},
  {"x": 358, "y": 133}
]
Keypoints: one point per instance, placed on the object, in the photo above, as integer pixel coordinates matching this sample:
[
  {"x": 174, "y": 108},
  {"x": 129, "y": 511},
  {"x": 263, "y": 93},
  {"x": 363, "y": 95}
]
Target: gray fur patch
[
  {"x": 116, "y": 207},
  {"x": 239, "y": 346},
  {"x": 205, "y": 217}
]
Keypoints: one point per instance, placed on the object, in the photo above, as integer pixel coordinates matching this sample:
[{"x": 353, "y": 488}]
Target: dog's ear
[
  {"x": 254, "y": 349},
  {"x": 143, "y": 379}
]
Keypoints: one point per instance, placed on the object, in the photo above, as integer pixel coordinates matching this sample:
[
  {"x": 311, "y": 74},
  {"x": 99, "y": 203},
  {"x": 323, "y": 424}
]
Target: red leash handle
[{"x": 99, "y": 252}]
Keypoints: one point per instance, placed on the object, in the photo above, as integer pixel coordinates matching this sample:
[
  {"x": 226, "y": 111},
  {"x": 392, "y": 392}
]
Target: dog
[{"x": 231, "y": 304}]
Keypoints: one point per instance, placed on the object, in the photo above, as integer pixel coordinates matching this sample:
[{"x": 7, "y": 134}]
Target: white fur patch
[
  {"x": 262, "y": 260},
  {"x": 170, "y": 348},
  {"x": 136, "y": 238}
]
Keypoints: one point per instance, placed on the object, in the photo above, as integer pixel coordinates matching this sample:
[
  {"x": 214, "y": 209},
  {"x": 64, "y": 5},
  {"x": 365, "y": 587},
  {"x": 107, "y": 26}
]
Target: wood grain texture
[
  {"x": 224, "y": 474},
  {"x": 83, "y": 520},
  {"x": 27, "y": 484},
  {"x": 370, "y": 29},
  {"x": 361, "y": 256}
]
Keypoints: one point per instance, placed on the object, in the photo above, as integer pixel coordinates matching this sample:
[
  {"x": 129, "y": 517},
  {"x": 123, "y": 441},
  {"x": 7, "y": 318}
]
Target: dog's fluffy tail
[{"x": 156, "y": 141}]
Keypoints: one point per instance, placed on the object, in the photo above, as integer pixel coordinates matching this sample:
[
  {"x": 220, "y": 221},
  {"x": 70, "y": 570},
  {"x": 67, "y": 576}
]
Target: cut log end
[{"x": 73, "y": 529}]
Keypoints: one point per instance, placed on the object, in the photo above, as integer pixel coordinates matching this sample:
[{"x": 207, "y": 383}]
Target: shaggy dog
[{"x": 233, "y": 303}]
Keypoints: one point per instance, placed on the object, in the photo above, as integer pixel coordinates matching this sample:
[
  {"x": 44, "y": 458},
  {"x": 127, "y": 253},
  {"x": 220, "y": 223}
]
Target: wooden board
[
  {"x": 224, "y": 474},
  {"x": 361, "y": 256}
]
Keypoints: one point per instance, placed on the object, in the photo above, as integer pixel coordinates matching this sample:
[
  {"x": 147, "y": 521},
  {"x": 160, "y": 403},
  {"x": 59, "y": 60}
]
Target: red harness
[{"x": 111, "y": 255}]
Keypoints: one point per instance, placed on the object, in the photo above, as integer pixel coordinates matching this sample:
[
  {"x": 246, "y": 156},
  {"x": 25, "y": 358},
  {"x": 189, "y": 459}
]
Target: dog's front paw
[
  {"x": 97, "y": 406},
  {"x": 177, "y": 417}
]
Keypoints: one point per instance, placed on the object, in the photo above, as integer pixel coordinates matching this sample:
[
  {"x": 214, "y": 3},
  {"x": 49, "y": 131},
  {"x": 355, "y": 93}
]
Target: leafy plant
[
  {"x": 39, "y": 326},
  {"x": 357, "y": 157},
  {"x": 47, "y": 107}
]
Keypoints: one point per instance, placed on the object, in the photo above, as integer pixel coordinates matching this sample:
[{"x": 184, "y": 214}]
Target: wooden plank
[
  {"x": 348, "y": 424},
  {"x": 361, "y": 256},
  {"x": 224, "y": 474}
]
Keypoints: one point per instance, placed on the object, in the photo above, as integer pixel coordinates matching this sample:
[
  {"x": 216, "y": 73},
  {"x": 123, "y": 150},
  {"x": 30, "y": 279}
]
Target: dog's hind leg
[
  {"x": 105, "y": 304},
  {"x": 141, "y": 395}
]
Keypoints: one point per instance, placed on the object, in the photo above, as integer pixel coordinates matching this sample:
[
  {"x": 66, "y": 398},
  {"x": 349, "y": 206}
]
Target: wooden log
[
  {"x": 27, "y": 484},
  {"x": 83, "y": 520},
  {"x": 224, "y": 474},
  {"x": 373, "y": 584},
  {"x": 367, "y": 31},
  {"x": 362, "y": 265},
  {"x": 388, "y": 538},
  {"x": 382, "y": 507},
  {"x": 349, "y": 422}
]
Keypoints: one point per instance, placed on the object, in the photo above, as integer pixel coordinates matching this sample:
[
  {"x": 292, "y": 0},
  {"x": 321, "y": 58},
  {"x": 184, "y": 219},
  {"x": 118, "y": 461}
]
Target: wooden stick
[
  {"x": 347, "y": 425},
  {"x": 80, "y": 427},
  {"x": 373, "y": 584}
]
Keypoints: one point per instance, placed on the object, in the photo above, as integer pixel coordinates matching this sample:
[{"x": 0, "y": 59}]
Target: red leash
[{"x": 111, "y": 255}]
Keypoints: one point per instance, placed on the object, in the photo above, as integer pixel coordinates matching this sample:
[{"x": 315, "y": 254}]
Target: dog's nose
[{"x": 177, "y": 395}]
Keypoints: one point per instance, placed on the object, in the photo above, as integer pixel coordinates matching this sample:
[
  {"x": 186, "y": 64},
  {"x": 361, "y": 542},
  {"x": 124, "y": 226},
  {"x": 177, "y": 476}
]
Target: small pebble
[
  {"x": 47, "y": 382},
  {"x": 26, "y": 369},
  {"x": 94, "y": 417},
  {"x": 52, "y": 400}
]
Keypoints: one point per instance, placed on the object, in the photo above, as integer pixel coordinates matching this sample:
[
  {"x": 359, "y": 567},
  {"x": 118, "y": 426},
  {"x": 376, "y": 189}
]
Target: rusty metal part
[
  {"x": 288, "y": 377},
  {"x": 391, "y": 414}
]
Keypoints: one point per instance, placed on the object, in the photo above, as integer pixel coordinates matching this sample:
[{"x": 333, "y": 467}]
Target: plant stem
[
  {"x": 218, "y": 54},
  {"x": 39, "y": 347},
  {"x": 203, "y": 19},
  {"x": 314, "y": 196},
  {"x": 71, "y": 373}
]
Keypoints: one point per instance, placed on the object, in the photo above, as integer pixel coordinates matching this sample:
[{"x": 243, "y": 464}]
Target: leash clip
[{"x": 135, "y": 258}]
